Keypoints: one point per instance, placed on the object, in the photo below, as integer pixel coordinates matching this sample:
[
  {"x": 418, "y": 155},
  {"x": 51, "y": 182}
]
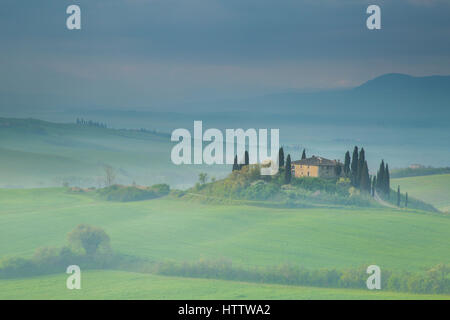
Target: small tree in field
[
  {"x": 398, "y": 196},
  {"x": 89, "y": 238},
  {"x": 110, "y": 175},
  {"x": 202, "y": 178}
]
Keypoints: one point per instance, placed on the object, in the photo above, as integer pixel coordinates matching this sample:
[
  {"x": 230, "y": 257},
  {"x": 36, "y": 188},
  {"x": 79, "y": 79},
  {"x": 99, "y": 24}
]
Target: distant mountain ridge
[
  {"x": 394, "y": 96},
  {"x": 399, "y": 81},
  {"x": 390, "y": 98}
]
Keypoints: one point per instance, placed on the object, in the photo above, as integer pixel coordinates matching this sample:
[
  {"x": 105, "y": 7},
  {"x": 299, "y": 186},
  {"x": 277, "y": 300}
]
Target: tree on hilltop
[
  {"x": 380, "y": 177},
  {"x": 235, "y": 164},
  {"x": 288, "y": 170},
  {"x": 281, "y": 157},
  {"x": 354, "y": 166},
  {"x": 387, "y": 182},
  {"x": 347, "y": 164},
  {"x": 304, "y": 154}
]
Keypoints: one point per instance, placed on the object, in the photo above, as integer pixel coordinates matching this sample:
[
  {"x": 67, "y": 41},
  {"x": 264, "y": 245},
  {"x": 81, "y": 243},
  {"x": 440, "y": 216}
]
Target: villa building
[{"x": 317, "y": 167}]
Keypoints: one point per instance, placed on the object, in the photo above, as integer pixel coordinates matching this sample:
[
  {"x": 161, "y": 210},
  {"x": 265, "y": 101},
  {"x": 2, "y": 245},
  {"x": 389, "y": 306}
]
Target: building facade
[{"x": 317, "y": 167}]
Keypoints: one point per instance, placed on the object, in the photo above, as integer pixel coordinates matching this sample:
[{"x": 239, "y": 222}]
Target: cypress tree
[
  {"x": 406, "y": 200},
  {"x": 288, "y": 170},
  {"x": 304, "y": 154},
  {"x": 368, "y": 179},
  {"x": 387, "y": 182},
  {"x": 354, "y": 165},
  {"x": 374, "y": 185},
  {"x": 365, "y": 178},
  {"x": 247, "y": 161},
  {"x": 338, "y": 170},
  {"x": 380, "y": 177},
  {"x": 281, "y": 157},
  {"x": 398, "y": 196},
  {"x": 347, "y": 164},
  {"x": 235, "y": 164},
  {"x": 360, "y": 170}
]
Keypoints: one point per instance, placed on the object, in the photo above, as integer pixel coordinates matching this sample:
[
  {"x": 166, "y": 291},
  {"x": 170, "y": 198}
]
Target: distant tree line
[
  {"x": 90, "y": 123},
  {"x": 415, "y": 172},
  {"x": 434, "y": 280}
]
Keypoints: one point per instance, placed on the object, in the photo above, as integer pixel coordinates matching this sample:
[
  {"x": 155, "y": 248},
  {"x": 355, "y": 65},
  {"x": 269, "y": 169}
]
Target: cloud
[{"x": 132, "y": 51}]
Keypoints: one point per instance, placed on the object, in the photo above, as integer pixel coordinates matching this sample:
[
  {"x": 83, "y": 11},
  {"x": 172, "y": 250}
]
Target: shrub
[
  {"x": 436, "y": 280},
  {"x": 133, "y": 193},
  {"x": 89, "y": 238},
  {"x": 16, "y": 267}
]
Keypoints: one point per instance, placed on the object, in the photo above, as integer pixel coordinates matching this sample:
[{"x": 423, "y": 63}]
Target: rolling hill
[
  {"x": 180, "y": 230},
  {"x": 434, "y": 189},
  {"x": 168, "y": 229},
  {"x": 36, "y": 153}
]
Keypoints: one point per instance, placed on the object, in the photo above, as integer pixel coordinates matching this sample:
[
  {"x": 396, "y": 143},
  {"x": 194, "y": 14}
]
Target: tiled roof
[{"x": 317, "y": 161}]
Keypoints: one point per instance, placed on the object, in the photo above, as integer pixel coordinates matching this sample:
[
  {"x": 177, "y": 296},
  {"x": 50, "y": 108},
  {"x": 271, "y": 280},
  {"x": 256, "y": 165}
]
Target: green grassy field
[
  {"x": 128, "y": 285},
  {"x": 167, "y": 229},
  {"x": 434, "y": 189}
]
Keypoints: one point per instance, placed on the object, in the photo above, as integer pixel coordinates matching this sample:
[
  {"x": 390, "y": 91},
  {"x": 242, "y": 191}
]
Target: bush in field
[
  {"x": 318, "y": 184},
  {"x": 15, "y": 267},
  {"x": 259, "y": 191},
  {"x": 95, "y": 253},
  {"x": 161, "y": 189},
  {"x": 89, "y": 238},
  {"x": 436, "y": 280},
  {"x": 133, "y": 193},
  {"x": 235, "y": 185}
]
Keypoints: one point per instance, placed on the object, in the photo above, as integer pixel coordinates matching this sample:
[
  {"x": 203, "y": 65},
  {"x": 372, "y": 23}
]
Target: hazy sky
[{"x": 144, "y": 53}]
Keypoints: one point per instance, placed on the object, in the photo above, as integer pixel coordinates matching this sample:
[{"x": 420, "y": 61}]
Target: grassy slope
[
  {"x": 39, "y": 153},
  {"x": 434, "y": 189},
  {"x": 128, "y": 285},
  {"x": 168, "y": 229}
]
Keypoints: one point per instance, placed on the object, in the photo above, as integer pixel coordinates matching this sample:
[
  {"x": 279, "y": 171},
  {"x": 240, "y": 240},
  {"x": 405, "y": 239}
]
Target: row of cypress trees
[
  {"x": 286, "y": 165},
  {"x": 357, "y": 170},
  {"x": 383, "y": 180}
]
